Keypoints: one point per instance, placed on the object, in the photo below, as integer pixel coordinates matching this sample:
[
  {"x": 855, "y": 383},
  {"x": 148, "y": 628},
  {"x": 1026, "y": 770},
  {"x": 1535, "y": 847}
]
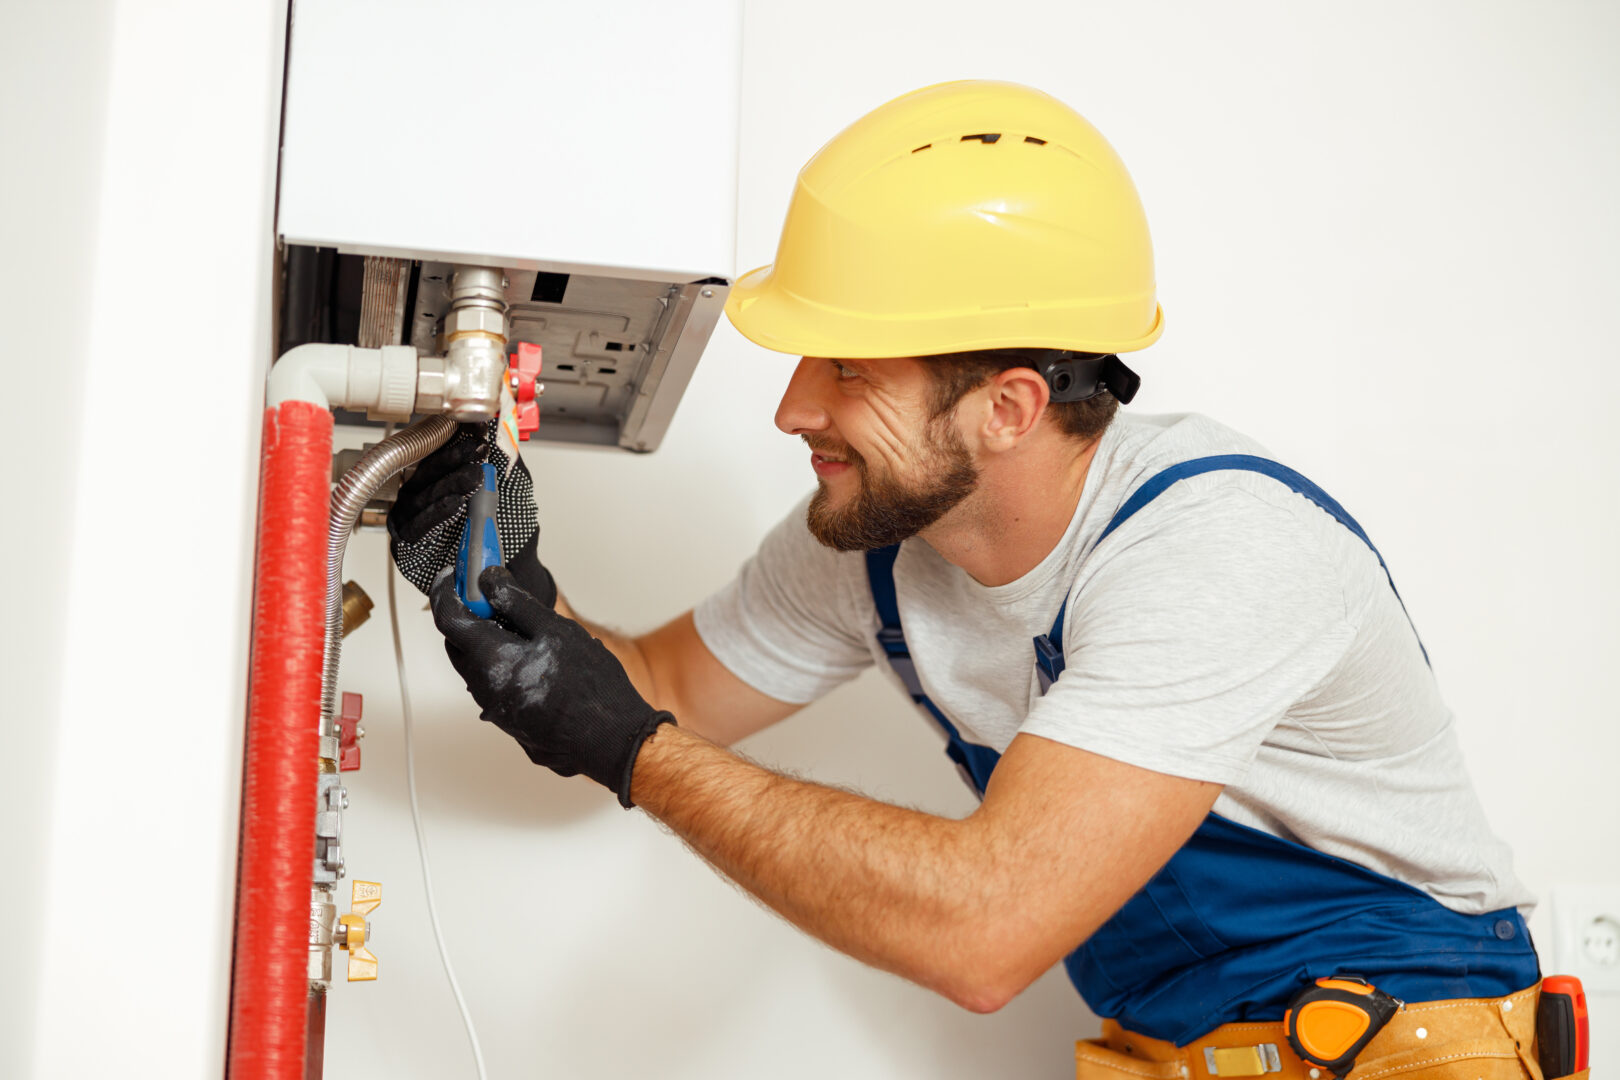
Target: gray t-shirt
[{"x": 1231, "y": 631}]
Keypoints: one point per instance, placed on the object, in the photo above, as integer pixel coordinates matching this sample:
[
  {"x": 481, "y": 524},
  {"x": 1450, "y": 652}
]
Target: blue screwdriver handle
[{"x": 480, "y": 545}]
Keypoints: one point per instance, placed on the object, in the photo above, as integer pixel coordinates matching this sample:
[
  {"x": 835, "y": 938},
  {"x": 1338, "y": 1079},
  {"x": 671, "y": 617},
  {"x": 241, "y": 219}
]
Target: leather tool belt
[{"x": 1465, "y": 1039}]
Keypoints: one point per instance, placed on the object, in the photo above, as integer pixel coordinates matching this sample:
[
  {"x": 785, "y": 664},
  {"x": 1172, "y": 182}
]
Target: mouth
[{"x": 825, "y": 465}]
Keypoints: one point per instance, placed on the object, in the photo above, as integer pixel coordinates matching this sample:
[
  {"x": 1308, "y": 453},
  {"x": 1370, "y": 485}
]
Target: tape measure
[{"x": 1331, "y": 1021}]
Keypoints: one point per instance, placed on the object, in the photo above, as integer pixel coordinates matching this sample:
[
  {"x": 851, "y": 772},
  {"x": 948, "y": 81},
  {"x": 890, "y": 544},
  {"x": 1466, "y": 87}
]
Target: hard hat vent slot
[
  {"x": 982, "y": 138},
  {"x": 1033, "y": 139},
  {"x": 923, "y": 147}
]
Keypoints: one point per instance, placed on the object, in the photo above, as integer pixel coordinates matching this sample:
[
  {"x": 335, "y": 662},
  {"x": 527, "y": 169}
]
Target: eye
[{"x": 845, "y": 371}]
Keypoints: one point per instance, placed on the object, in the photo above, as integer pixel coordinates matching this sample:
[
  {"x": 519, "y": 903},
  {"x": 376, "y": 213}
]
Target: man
[{"x": 1214, "y": 764}]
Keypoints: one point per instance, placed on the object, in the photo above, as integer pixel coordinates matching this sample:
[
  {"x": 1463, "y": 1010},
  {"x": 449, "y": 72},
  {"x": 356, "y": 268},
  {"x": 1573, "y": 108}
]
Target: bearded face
[{"x": 884, "y": 509}]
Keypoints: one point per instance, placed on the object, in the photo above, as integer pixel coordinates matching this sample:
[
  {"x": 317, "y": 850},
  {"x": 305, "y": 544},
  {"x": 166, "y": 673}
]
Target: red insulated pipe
[{"x": 269, "y": 976}]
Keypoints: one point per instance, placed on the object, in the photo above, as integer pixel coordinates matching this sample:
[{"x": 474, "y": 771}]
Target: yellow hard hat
[{"x": 968, "y": 215}]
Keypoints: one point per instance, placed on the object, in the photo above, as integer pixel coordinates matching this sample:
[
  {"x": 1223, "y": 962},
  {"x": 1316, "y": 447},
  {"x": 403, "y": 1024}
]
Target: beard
[{"x": 885, "y": 511}]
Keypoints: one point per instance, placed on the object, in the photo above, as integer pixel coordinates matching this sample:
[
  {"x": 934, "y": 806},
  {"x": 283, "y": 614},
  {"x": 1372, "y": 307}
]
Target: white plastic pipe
[{"x": 380, "y": 381}]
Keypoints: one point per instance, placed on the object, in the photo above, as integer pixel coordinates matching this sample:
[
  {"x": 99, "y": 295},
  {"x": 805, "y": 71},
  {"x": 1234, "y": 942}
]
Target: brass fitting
[{"x": 356, "y": 607}]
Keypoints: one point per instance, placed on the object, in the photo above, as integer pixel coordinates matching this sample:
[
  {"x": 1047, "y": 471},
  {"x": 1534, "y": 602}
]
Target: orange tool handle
[{"x": 1561, "y": 1027}]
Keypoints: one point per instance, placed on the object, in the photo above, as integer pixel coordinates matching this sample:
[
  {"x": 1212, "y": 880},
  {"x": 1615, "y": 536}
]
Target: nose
[{"x": 801, "y": 411}]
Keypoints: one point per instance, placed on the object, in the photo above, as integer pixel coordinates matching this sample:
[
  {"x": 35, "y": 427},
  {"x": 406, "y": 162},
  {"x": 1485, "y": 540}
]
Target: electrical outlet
[{"x": 1586, "y": 935}]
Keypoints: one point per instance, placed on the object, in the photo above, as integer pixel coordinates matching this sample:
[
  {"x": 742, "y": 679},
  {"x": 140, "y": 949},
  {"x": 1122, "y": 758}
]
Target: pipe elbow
[
  {"x": 382, "y": 382},
  {"x": 309, "y": 373}
]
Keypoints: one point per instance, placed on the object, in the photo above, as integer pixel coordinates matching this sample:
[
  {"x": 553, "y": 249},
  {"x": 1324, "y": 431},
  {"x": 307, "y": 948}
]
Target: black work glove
[
  {"x": 544, "y": 680},
  {"x": 425, "y": 523}
]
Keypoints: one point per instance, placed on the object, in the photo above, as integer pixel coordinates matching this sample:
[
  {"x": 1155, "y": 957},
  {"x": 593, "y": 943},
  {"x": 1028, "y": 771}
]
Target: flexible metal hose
[{"x": 354, "y": 489}]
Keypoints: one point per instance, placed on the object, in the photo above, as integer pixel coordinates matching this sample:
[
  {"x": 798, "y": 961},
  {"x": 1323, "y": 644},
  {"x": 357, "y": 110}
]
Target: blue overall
[{"x": 1238, "y": 919}]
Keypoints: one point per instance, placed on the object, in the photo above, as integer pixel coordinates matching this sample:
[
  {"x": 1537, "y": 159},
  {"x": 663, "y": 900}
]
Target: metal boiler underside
[{"x": 618, "y": 351}]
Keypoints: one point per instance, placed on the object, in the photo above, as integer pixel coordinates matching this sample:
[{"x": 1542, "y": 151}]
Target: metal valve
[{"x": 353, "y": 930}]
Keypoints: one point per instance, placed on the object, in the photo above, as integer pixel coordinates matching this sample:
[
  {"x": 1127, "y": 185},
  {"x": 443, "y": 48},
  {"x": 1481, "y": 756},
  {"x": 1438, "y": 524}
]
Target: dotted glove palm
[
  {"x": 544, "y": 680},
  {"x": 425, "y": 523}
]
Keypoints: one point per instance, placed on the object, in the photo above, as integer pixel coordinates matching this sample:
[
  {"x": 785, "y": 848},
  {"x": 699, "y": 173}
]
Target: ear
[{"x": 1015, "y": 401}]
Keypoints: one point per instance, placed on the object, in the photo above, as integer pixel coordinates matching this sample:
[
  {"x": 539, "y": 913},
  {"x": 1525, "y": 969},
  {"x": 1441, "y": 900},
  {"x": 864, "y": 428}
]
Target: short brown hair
[{"x": 954, "y": 375}]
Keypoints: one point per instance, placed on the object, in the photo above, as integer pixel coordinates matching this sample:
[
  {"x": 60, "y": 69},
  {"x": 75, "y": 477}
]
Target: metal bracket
[
  {"x": 331, "y": 797},
  {"x": 1242, "y": 1060}
]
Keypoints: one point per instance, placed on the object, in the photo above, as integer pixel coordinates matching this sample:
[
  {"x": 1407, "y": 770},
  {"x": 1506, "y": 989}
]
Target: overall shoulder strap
[
  {"x": 880, "y": 575},
  {"x": 1049, "y": 646},
  {"x": 975, "y": 761}
]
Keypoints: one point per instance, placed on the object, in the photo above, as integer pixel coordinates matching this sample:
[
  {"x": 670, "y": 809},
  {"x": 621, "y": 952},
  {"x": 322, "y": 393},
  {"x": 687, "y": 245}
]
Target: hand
[
  {"x": 545, "y": 681},
  {"x": 425, "y": 523}
]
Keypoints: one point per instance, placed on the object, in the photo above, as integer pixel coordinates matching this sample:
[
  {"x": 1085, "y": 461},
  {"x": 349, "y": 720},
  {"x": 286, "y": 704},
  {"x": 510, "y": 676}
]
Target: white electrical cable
[{"x": 416, "y": 819}]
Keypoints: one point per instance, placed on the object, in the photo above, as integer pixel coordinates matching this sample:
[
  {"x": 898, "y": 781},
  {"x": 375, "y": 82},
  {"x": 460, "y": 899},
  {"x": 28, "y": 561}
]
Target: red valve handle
[
  {"x": 349, "y": 732},
  {"x": 525, "y": 371}
]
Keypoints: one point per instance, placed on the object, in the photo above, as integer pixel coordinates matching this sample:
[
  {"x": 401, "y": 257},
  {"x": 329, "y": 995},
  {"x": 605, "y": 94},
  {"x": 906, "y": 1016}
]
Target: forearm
[
  {"x": 905, "y": 891},
  {"x": 975, "y": 909}
]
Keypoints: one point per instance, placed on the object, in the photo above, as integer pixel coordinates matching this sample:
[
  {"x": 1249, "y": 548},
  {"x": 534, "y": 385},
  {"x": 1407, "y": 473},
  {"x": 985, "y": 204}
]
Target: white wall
[
  {"x": 56, "y": 53},
  {"x": 139, "y": 171},
  {"x": 1386, "y": 240}
]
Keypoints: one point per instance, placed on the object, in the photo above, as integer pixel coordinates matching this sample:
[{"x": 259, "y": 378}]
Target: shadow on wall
[
  {"x": 478, "y": 773},
  {"x": 864, "y": 736}
]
